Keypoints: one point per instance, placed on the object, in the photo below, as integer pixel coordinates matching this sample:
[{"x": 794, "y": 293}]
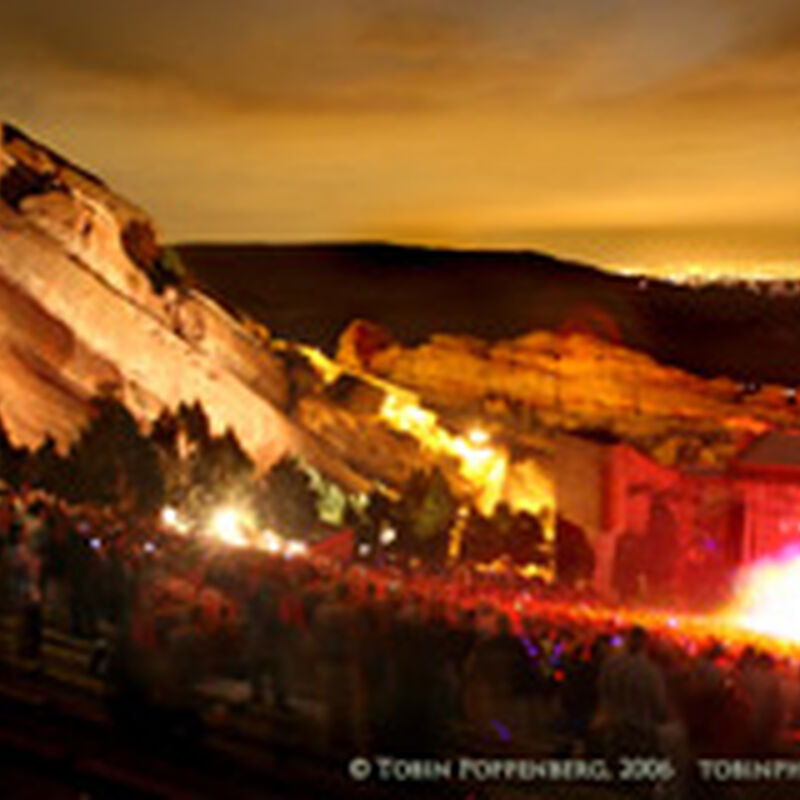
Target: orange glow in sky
[{"x": 649, "y": 136}]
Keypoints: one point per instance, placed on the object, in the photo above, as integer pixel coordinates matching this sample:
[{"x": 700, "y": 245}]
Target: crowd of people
[{"x": 398, "y": 659}]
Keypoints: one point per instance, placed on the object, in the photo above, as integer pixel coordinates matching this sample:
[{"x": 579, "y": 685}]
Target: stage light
[
  {"x": 227, "y": 525},
  {"x": 271, "y": 542},
  {"x": 171, "y": 518},
  {"x": 768, "y": 596},
  {"x": 295, "y": 548},
  {"x": 478, "y": 437},
  {"x": 388, "y": 535}
]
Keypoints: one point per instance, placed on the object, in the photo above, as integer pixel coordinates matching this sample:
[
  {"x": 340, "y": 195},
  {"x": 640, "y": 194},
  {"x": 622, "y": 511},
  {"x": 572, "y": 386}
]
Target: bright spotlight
[
  {"x": 478, "y": 437},
  {"x": 271, "y": 542},
  {"x": 767, "y": 597},
  {"x": 388, "y": 535},
  {"x": 171, "y": 518},
  {"x": 227, "y": 525},
  {"x": 295, "y": 548}
]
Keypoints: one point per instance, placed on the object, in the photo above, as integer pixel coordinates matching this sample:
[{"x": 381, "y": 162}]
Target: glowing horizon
[{"x": 655, "y": 138}]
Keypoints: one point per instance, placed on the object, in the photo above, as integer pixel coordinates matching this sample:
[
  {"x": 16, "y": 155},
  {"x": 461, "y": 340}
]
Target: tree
[
  {"x": 12, "y": 459},
  {"x": 170, "y": 267},
  {"x": 427, "y": 511},
  {"x": 46, "y": 468},
  {"x": 193, "y": 423},
  {"x": 200, "y": 470},
  {"x": 286, "y": 500},
  {"x": 164, "y": 433},
  {"x": 112, "y": 462},
  {"x": 221, "y": 468},
  {"x": 332, "y": 499}
]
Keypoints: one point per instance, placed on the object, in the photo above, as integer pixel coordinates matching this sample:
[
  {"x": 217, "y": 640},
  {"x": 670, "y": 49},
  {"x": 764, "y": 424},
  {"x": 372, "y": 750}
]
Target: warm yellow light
[
  {"x": 484, "y": 467},
  {"x": 295, "y": 548},
  {"x": 478, "y": 437},
  {"x": 328, "y": 370},
  {"x": 228, "y": 526},
  {"x": 768, "y": 599},
  {"x": 171, "y": 518},
  {"x": 388, "y": 536}
]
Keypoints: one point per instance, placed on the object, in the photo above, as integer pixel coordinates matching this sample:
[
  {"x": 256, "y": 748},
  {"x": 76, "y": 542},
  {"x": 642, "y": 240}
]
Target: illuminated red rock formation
[
  {"x": 574, "y": 382},
  {"x": 87, "y": 304}
]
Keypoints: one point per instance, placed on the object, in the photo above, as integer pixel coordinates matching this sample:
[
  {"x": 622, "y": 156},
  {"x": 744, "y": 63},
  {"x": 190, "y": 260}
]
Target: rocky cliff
[
  {"x": 544, "y": 383},
  {"x": 87, "y": 304},
  {"x": 91, "y": 301}
]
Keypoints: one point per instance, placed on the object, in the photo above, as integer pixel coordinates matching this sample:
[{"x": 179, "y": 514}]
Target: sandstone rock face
[
  {"x": 86, "y": 304},
  {"x": 79, "y": 212},
  {"x": 546, "y": 382},
  {"x": 79, "y": 312}
]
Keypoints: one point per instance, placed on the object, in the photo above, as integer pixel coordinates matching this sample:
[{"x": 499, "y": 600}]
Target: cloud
[
  {"x": 312, "y": 55},
  {"x": 755, "y": 68},
  {"x": 483, "y": 118},
  {"x": 410, "y": 55}
]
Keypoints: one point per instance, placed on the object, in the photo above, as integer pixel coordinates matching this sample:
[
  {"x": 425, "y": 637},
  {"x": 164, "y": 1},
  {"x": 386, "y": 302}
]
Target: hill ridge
[{"x": 311, "y": 291}]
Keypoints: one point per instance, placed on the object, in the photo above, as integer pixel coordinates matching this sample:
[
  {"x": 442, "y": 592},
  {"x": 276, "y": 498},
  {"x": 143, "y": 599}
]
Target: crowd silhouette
[{"x": 384, "y": 658}]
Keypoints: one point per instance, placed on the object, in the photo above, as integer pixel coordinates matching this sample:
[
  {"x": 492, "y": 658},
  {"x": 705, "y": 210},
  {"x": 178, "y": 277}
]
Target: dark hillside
[{"x": 311, "y": 292}]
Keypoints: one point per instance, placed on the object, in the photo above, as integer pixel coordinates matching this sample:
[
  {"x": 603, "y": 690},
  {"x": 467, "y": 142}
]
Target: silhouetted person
[
  {"x": 27, "y": 592},
  {"x": 632, "y": 698},
  {"x": 575, "y": 559},
  {"x": 265, "y": 640},
  {"x": 580, "y": 694},
  {"x": 627, "y": 567},
  {"x": 334, "y": 627},
  {"x": 661, "y": 551}
]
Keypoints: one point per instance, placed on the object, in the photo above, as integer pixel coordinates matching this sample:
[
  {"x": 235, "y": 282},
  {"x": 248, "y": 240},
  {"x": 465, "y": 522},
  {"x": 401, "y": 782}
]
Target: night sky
[{"x": 661, "y": 135}]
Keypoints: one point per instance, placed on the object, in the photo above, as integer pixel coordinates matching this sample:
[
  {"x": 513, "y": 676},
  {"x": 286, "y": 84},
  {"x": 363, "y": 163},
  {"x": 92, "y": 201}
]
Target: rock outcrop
[
  {"x": 90, "y": 301},
  {"x": 87, "y": 305},
  {"x": 546, "y": 382}
]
